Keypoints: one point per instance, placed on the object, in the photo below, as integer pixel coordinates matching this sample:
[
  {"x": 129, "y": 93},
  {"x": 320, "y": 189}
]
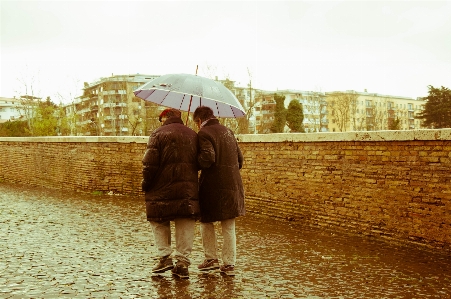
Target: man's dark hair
[
  {"x": 203, "y": 113},
  {"x": 170, "y": 112}
]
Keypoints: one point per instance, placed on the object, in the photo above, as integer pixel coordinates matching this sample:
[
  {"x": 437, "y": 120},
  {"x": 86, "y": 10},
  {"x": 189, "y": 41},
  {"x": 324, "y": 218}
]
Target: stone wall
[
  {"x": 390, "y": 184},
  {"x": 92, "y": 164}
]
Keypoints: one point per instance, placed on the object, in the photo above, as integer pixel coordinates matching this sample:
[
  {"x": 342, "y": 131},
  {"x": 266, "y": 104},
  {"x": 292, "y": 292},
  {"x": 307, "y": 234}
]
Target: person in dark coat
[
  {"x": 221, "y": 192},
  {"x": 170, "y": 183}
]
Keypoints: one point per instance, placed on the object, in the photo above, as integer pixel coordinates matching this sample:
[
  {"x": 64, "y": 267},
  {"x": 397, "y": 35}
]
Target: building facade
[
  {"x": 313, "y": 103},
  {"x": 341, "y": 111},
  {"x": 10, "y": 109},
  {"x": 108, "y": 107},
  {"x": 362, "y": 111}
]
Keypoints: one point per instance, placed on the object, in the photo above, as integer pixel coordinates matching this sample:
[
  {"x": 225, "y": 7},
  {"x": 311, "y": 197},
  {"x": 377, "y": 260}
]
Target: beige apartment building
[
  {"x": 108, "y": 107},
  {"x": 342, "y": 111},
  {"x": 313, "y": 103},
  {"x": 362, "y": 111}
]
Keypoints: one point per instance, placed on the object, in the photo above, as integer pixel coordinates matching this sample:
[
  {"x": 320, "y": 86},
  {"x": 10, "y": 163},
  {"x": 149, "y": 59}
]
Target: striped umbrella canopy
[{"x": 187, "y": 92}]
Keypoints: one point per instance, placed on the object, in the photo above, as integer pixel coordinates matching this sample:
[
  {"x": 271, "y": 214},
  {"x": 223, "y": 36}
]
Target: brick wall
[{"x": 390, "y": 184}]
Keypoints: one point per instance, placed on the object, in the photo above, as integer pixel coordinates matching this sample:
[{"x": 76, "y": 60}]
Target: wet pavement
[{"x": 56, "y": 244}]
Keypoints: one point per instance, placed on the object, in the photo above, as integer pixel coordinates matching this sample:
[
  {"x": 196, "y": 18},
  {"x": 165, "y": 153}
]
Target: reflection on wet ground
[{"x": 56, "y": 244}]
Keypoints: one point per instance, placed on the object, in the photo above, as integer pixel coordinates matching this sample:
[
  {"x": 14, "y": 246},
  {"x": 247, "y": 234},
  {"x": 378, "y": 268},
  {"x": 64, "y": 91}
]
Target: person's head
[
  {"x": 168, "y": 113},
  {"x": 201, "y": 114}
]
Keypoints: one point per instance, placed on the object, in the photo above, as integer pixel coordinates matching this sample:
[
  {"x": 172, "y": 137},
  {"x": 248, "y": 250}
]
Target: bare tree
[
  {"x": 403, "y": 117},
  {"x": 241, "y": 125},
  {"x": 151, "y": 122},
  {"x": 209, "y": 71},
  {"x": 315, "y": 106},
  {"x": 27, "y": 92},
  {"x": 68, "y": 117},
  {"x": 342, "y": 106},
  {"x": 135, "y": 113},
  {"x": 380, "y": 114},
  {"x": 359, "y": 121}
]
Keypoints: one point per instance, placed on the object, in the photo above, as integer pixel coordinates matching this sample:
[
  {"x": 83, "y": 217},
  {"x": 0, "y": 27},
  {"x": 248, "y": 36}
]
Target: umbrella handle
[{"x": 189, "y": 108}]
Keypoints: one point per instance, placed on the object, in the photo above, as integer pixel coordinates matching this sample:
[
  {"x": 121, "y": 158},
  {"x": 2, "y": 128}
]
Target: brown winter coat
[
  {"x": 170, "y": 172},
  {"x": 221, "y": 192}
]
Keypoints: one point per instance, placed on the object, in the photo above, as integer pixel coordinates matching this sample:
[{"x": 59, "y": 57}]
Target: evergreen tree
[
  {"x": 17, "y": 128},
  {"x": 437, "y": 110},
  {"x": 395, "y": 124},
  {"x": 295, "y": 116},
  {"x": 279, "y": 115},
  {"x": 45, "y": 121}
]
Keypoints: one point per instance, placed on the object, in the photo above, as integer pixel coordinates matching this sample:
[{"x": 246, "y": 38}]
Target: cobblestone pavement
[{"x": 56, "y": 244}]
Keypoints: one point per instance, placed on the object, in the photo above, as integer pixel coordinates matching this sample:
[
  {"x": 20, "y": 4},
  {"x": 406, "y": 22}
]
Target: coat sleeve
[
  {"x": 207, "y": 155},
  {"x": 150, "y": 162}
]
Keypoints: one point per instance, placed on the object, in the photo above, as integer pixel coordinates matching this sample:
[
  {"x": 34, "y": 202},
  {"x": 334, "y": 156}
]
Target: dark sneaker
[
  {"x": 209, "y": 265},
  {"x": 180, "y": 270},
  {"x": 228, "y": 270},
  {"x": 163, "y": 265}
]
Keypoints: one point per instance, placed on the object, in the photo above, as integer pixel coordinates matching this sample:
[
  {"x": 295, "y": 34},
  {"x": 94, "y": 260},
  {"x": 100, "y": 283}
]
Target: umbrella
[{"x": 187, "y": 92}]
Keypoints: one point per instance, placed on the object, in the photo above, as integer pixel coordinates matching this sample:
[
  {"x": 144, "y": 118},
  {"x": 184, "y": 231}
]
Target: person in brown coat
[
  {"x": 221, "y": 192},
  {"x": 170, "y": 183}
]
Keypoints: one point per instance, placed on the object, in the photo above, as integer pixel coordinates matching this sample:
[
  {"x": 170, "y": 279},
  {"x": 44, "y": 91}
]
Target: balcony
[
  {"x": 112, "y": 105},
  {"x": 114, "y": 91},
  {"x": 116, "y": 117},
  {"x": 84, "y": 110}
]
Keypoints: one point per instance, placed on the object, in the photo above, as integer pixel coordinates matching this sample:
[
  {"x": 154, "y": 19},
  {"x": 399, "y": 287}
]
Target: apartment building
[
  {"x": 9, "y": 109},
  {"x": 108, "y": 107},
  {"x": 313, "y": 103},
  {"x": 341, "y": 111},
  {"x": 362, "y": 111}
]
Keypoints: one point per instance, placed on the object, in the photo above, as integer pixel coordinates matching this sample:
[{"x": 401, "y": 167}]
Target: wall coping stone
[
  {"x": 80, "y": 139},
  {"x": 437, "y": 134},
  {"x": 424, "y": 134}
]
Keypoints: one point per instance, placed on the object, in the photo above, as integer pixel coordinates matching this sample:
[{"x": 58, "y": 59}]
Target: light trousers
[
  {"x": 228, "y": 251},
  {"x": 184, "y": 236}
]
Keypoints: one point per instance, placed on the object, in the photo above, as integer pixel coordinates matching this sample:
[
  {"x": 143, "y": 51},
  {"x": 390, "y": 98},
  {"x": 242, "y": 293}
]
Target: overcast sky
[{"x": 387, "y": 47}]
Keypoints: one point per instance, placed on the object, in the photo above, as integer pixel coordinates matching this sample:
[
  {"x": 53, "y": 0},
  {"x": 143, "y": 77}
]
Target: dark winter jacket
[
  {"x": 221, "y": 192},
  {"x": 170, "y": 172}
]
